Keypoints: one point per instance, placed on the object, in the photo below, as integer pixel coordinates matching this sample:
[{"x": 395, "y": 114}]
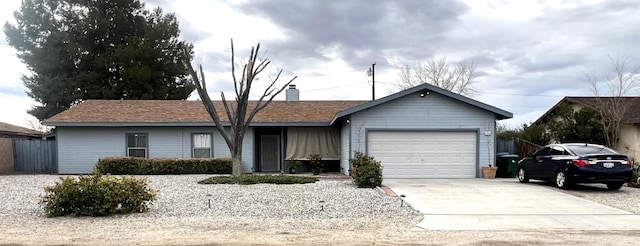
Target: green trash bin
[{"x": 507, "y": 166}]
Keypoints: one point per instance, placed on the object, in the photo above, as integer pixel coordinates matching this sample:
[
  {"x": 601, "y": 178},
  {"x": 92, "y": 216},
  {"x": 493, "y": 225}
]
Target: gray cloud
[
  {"x": 215, "y": 62},
  {"x": 12, "y": 90},
  {"x": 583, "y": 36},
  {"x": 190, "y": 34},
  {"x": 360, "y": 31}
]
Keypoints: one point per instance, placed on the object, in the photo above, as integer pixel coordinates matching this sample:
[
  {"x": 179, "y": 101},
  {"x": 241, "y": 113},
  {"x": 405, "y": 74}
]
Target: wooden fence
[
  {"x": 35, "y": 156},
  {"x": 517, "y": 146}
]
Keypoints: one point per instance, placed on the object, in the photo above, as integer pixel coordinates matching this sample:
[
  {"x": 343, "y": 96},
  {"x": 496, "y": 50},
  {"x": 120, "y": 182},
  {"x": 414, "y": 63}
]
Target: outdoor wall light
[
  {"x": 348, "y": 121},
  {"x": 424, "y": 93}
]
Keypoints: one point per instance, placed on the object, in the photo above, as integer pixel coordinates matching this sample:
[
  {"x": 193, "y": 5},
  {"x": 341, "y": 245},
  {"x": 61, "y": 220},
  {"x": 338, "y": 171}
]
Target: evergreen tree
[{"x": 97, "y": 49}]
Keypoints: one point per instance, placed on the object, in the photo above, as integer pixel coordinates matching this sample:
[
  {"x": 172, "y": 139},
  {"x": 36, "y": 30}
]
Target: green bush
[
  {"x": 367, "y": 172},
  {"x": 315, "y": 162},
  {"x": 143, "y": 166},
  {"x": 97, "y": 195},
  {"x": 248, "y": 179}
]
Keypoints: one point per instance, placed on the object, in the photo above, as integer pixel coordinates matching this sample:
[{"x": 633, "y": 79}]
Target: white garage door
[{"x": 408, "y": 154}]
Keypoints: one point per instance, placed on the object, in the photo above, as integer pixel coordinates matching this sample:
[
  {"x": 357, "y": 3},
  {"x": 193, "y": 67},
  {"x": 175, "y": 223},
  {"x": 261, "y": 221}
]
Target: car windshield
[{"x": 583, "y": 150}]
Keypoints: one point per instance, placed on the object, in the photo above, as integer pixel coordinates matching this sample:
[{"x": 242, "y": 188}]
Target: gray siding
[
  {"x": 79, "y": 148},
  {"x": 432, "y": 112},
  {"x": 344, "y": 149},
  {"x": 220, "y": 148}
]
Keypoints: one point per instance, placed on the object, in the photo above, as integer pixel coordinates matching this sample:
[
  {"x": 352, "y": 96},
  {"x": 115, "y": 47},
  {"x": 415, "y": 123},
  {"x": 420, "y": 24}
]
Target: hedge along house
[{"x": 421, "y": 132}]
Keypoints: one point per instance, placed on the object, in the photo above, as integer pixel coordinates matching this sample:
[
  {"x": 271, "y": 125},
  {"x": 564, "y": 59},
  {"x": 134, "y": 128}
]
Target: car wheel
[
  {"x": 523, "y": 176},
  {"x": 614, "y": 186},
  {"x": 561, "y": 180}
]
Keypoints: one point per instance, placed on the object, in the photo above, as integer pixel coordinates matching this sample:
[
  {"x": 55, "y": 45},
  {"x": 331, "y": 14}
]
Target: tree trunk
[{"x": 237, "y": 165}]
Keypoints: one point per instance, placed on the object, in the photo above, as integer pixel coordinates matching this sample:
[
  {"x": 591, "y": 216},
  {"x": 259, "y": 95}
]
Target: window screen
[
  {"x": 137, "y": 144},
  {"x": 202, "y": 145}
]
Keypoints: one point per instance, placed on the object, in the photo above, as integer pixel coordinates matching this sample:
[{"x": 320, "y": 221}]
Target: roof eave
[
  {"x": 181, "y": 124},
  {"x": 22, "y": 134}
]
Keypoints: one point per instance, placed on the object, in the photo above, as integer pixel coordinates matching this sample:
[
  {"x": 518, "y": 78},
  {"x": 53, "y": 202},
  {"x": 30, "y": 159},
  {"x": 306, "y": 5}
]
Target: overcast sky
[{"x": 530, "y": 54}]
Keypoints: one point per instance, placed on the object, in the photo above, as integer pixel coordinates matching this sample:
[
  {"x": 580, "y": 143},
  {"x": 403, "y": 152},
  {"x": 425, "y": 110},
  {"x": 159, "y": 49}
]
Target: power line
[
  {"x": 511, "y": 106},
  {"x": 517, "y": 94},
  {"x": 532, "y": 76},
  {"x": 390, "y": 83}
]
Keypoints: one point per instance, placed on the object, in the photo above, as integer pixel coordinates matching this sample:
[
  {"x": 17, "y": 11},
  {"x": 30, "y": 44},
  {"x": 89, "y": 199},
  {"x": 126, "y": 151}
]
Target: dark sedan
[{"x": 568, "y": 164}]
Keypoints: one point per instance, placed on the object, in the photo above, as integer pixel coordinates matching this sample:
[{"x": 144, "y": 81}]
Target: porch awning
[{"x": 304, "y": 141}]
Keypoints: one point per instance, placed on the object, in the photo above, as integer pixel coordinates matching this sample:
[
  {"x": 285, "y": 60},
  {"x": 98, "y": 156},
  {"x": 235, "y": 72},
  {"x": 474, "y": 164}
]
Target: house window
[
  {"x": 137, "y": 144},
  {"x": 202, "y": 145}
]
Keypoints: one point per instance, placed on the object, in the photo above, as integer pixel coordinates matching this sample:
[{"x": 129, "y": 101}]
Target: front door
[{"x": 270, "y": 153}]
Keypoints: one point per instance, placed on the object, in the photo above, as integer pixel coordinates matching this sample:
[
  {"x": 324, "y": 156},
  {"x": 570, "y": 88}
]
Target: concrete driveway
[{"x": 505, "y": 204}]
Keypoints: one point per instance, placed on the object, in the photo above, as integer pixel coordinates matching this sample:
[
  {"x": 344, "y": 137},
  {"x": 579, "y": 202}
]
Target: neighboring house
[
  {"x": 9, "y": 132},
  {"x": 421, "y": 132},
  {"x": 629, "y": 143},
  {"x": 18, "y": 132}
]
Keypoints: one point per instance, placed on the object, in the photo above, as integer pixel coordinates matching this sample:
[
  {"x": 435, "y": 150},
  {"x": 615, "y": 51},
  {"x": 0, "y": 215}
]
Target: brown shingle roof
[
  {"x": 631, "y": 116},
  {"x": 9, "y": 129},
  {"x": 179, "y": 111}
]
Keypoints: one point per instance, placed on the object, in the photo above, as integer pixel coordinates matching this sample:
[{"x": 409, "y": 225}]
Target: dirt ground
[{"x": 57, "y": 231}]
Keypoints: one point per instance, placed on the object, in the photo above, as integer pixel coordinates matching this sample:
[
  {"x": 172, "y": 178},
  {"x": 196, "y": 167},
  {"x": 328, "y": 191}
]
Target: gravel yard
[
  {"x": 324, "y": 205},
  {"x": 626, "y": 198},
  {"x": 180, "y": 196},
  {"x": 266, "y": 214}
]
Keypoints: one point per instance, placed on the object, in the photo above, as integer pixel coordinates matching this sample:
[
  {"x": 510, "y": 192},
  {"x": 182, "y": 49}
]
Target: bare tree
[
  {"x": 614, "y": 103},
  {"x": 459, "y": 77},
  {"x": 35, "y": 124},
  {"x": 241, "y": 113}
]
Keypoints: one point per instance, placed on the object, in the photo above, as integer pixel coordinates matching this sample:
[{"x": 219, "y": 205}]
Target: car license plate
[{"x": 608, "y": 164}]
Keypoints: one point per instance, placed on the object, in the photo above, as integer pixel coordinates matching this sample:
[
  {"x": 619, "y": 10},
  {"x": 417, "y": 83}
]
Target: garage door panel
[{"x": 424, "y": 154}]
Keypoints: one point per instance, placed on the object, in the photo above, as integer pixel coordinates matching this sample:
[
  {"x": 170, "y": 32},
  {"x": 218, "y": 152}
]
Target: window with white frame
[
  {"x": 137, "y": 144},
  {"x": 202, "y": 145}
]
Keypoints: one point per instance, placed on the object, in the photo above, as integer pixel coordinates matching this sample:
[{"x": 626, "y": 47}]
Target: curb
[{"x": 386, "y": 190}]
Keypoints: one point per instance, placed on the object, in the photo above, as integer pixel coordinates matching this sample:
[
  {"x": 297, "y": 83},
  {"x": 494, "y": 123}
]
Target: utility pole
[{"x": 372, "y": 73}]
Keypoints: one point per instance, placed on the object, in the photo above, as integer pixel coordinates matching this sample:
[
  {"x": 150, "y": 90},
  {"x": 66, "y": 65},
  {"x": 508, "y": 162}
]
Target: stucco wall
[
  {"x": 79, "y": 148},
  {"x": 432, "y": 112},
  {"x": 629, "y": 143},
  {"x": 6, "y": 155}
]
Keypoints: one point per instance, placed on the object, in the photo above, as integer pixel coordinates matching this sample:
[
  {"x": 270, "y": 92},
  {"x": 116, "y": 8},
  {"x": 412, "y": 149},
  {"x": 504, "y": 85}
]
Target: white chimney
[{"x": 293, "y": 94}]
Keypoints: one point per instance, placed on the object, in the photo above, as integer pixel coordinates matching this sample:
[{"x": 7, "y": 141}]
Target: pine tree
[{"x": 97, "y": 49}]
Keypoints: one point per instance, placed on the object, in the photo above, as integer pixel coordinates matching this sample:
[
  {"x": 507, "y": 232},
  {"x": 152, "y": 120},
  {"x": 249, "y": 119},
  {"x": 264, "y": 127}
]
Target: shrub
[
  {"x": 248, "y": 179},
  {"x": 97, "y": 195},
  {"x": 294, "y": 163},
  {"x": 315, "y": 162},
  {"x": 367, "y": 172},
  {"x": 635, "y": 177},
  {"x": 143, "y": 166}
]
